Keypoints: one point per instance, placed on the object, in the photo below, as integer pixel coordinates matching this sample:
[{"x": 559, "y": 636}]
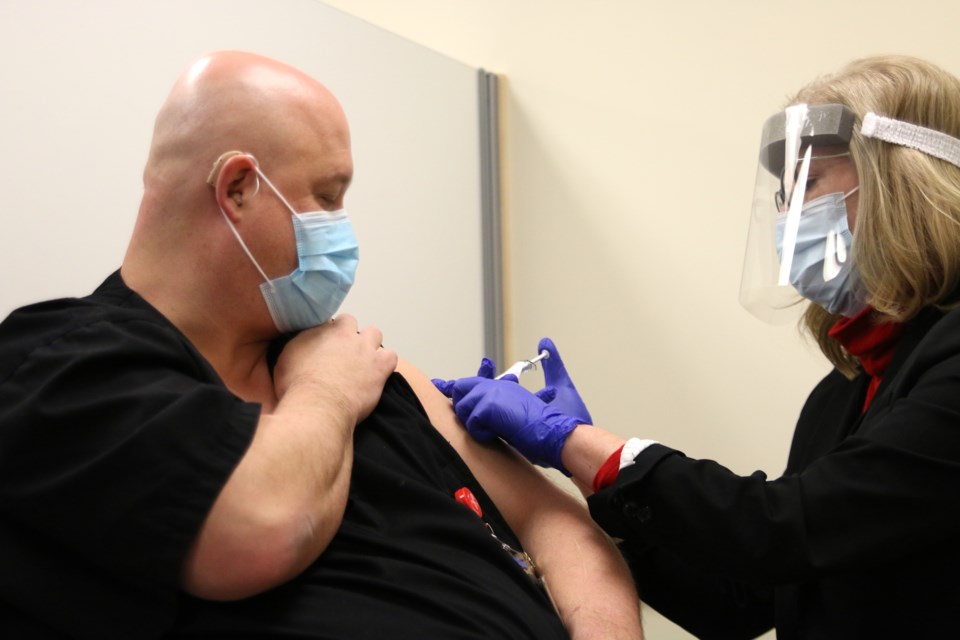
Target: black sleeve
[
  {"x": 883, "y": 494},
  {"x": 114, "y": 443},
  {"x": 746, "y": 527},
  {"x": 669, "y": 570},
  {"x": 707, "y": 605}
]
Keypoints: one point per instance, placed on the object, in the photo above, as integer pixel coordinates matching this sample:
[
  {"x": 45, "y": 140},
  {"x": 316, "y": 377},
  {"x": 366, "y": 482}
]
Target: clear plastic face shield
[{"x": 798, "y": 243}]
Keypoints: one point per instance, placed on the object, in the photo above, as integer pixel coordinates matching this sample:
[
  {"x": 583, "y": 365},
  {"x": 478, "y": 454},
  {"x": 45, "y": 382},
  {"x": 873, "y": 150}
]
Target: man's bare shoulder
[
  {"x": 507, "y": 477},
  {"x": 439, "y": 410}
]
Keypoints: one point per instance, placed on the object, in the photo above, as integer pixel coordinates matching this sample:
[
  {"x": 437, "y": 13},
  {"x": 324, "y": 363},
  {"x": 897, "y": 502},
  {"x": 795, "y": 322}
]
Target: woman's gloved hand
[
  {"x": 502, "y": 408},
  {"x": 486, "y": 372},
  {"x": 559, "y": 391}
]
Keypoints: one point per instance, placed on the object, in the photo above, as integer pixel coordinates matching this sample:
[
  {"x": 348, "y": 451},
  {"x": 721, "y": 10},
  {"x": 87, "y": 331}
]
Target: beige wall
[{"x": 630, "y": 134}]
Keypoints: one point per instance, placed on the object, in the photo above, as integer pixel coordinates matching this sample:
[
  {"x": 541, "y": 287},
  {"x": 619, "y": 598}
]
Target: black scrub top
[
  {"x": 116, "y": 436},
  {"x": 408, "y": 562}
]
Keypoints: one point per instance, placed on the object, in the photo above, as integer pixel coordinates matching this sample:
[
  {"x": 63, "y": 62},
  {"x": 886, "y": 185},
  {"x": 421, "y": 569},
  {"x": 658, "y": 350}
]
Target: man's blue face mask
[{"x": 328, "y": 255}]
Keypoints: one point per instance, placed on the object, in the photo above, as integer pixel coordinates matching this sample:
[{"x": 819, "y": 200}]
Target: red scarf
[{"x": 872, "y": 342}]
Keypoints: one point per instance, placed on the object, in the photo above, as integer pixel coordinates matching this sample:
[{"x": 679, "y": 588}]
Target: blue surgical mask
[
  {"x": 328, "y": 255},
  {"x": 822, "y": 270}
]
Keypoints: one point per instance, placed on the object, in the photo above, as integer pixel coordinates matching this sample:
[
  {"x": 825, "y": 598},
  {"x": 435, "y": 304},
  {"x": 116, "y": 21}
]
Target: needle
[{"x": 524, "y": 365}]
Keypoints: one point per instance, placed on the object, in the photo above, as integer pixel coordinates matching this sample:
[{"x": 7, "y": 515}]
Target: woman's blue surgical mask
[
  {"x": 821, "y": 270},
  {"x": 328, "y": 255}
]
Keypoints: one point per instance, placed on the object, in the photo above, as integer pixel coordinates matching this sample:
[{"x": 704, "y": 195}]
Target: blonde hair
[{"x": 907, "y": 233}]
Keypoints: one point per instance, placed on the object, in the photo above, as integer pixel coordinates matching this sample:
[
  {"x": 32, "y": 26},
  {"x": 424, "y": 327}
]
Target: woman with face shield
[{"x": 856, "y": 224}]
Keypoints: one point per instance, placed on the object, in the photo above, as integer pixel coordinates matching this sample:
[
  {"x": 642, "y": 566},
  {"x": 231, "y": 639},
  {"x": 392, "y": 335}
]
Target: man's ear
[{"x": 234, "y": 181}]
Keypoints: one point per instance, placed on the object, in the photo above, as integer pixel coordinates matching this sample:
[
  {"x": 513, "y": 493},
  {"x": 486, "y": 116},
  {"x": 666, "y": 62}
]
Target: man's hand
[
  {"x": 342, "y": 364},
  {"x": 285, "y": 500}
]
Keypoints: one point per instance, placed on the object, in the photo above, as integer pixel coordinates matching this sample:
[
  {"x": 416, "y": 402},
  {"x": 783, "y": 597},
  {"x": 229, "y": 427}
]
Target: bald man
[{"x": 198, "y": 449}]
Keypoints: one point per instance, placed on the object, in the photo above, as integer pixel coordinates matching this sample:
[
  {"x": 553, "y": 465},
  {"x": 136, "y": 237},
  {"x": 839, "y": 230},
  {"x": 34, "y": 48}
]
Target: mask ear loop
[
  {"x": 274, "y": 189},
  {"x": 212, "y": 181},
  {"x": 246, "y": 250}
]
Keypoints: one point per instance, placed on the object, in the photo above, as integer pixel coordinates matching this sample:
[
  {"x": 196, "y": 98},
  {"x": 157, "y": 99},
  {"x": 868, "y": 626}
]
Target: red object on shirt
[
  {"x": 464, "y": 496},
  {"x": 872, "y": 342}
]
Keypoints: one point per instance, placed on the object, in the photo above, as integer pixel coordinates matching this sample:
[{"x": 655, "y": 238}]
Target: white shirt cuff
[{"x": 632, "y": 449}]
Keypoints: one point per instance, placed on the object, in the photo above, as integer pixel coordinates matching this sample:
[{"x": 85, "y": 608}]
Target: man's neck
[
  {"x": 241, "y": 363},
  {"x": 236, "y": 352}
]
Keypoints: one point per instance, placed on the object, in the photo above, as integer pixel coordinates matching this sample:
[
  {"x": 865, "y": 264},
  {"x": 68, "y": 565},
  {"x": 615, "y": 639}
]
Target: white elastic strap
[
  {"x": 931, "y": 142},
  {"x": 632, "y": 449},
  {"x": 275, "y": 190},
  {"x": 211, "y": 180},
  {"x": 244, "y": 245},
  {"x": 260, "y": 174}
]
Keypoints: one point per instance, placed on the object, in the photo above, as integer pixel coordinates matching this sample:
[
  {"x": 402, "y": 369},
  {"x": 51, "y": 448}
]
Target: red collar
[{"x": 872, "y": 342}]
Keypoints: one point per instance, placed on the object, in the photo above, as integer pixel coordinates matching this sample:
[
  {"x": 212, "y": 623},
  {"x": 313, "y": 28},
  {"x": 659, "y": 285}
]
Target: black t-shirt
[
  {"x": 116, "y": 437},
  {"x": 408, "y": 560}
]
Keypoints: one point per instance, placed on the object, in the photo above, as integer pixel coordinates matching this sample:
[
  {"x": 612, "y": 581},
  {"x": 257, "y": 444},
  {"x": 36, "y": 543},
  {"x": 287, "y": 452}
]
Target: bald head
[
  {"x": 236, "y": 100},
  {"x": 182, "y": 255}
]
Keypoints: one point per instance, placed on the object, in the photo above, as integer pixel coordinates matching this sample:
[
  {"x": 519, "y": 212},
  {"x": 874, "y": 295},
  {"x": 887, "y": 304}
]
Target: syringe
[{"x": 524, "y": 365}]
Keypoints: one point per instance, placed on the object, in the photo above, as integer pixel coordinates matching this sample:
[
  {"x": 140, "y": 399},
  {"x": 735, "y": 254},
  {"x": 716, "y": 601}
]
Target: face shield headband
[{"x": 798, "y": 244}]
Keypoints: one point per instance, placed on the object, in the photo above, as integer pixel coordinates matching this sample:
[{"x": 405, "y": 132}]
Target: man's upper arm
[
  {"x": 113, "y": 448},
  {"x": 588, "y": 579},
  {"x": 519, "y": 490}
]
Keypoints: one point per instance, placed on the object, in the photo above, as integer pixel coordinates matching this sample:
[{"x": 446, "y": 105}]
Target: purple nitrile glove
[
  {"x": 559, "y": 391},
  {"x": 485, "y": 372},
  {"x": 502, "y": 408}
]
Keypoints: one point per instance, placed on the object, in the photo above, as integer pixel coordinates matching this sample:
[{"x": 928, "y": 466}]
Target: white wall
[
  {"x": 631, "y": 131},
  {"x": 81, "y": 82}
]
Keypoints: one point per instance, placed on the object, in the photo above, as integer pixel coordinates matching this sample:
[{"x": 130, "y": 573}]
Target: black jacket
[{"x": 860, "y": 538}]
